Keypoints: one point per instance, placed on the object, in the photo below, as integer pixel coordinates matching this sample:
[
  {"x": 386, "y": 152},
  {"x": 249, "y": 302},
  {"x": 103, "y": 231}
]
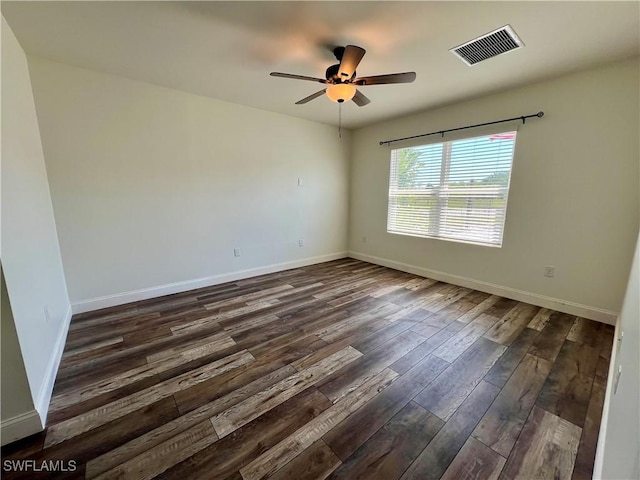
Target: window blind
[{"x": 454, "y": 190}]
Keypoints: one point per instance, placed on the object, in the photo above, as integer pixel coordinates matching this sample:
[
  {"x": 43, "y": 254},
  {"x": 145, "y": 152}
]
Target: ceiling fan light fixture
[
  {"x": 341, "y": 78},
  {"x": 341, "y": 92}
]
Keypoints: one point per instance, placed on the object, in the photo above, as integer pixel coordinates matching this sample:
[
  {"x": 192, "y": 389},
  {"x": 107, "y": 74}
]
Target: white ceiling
[{"x": 225, "y": 50}]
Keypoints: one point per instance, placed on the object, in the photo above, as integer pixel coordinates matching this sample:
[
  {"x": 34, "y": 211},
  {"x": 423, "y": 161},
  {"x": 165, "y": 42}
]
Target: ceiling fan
[{"x": 341, "y": 78}]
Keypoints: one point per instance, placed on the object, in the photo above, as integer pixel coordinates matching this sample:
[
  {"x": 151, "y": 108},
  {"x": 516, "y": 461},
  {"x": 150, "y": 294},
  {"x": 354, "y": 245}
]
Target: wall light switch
[
  {"x": 299, "y": 181},
  {"x": 236, "y": 252},
  {"x": 301, "y": 243}
]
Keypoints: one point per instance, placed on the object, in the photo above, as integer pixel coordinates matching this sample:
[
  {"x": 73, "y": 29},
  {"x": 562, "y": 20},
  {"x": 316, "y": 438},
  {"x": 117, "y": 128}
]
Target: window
[{"x": 454, "y": 190}]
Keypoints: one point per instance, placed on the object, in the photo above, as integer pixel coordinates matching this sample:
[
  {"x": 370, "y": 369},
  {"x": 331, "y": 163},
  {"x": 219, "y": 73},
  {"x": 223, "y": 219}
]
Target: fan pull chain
[{"x": 339, "y": 120}]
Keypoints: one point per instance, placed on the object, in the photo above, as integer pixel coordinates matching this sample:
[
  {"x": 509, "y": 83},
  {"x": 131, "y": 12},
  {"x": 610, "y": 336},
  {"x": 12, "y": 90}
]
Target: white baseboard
[
  {"x": 46, "y": 388},
  {"x": 178, "y": 287},
  {"x": 585, "y": 311},
  {"x": 20, "y": 426}
]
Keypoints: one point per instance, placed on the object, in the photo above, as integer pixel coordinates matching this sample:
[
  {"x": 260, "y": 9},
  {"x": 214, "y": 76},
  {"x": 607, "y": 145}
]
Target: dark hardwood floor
[{"x": 342, "y": 370}]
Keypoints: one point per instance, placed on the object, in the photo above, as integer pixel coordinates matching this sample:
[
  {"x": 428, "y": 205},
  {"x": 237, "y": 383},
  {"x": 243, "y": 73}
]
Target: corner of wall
[
  {"x": 46, "y": 388},
  {"x": 36, "y": 284}
]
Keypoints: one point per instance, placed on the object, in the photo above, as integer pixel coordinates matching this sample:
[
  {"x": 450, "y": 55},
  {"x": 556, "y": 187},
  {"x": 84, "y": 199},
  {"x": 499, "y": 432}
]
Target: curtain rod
[{"x": 442, "y": 132}]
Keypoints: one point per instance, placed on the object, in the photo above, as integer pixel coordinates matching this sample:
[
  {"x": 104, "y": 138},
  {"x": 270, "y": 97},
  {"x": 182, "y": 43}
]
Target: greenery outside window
[{"x": 453, "y": 190}]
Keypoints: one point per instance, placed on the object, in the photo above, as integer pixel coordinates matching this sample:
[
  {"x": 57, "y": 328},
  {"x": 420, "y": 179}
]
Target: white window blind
[{"x": 453, "y": 190}]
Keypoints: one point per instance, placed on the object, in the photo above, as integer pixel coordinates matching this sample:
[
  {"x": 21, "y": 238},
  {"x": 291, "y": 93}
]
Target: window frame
[{"x": 434, "y": 230}]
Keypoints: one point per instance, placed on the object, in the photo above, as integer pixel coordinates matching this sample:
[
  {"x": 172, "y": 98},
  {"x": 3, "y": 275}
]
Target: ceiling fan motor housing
[{"x": 333, "y": 76}]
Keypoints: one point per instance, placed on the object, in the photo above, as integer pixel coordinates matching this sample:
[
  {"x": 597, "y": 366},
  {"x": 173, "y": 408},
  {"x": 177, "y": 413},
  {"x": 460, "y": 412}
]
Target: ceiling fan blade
[
  {"x": 350, "y": 60},
  {"x": 360, "y": 100},
  {"x": 406, "y": 77},
  {"x": 297, "y": 77},
  {"x": 311, "y": 97}
]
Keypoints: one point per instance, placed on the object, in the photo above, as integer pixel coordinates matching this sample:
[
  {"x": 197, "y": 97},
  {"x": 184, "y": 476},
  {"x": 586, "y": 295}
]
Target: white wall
[
  {"x": 573, "y": 203},
  {"x": 30, "y": 251},
  {"x": 153, "y": 186},
  {"x": 618, "y": 454}
]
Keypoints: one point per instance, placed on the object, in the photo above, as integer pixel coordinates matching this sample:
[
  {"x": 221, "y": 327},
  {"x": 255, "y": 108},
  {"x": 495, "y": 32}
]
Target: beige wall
[
  {"x": 30, "y": 252},
  {"x": 15, "y": 393},
  {"x": 152, "y": 186},
  {"x": 574, "y": 198}
]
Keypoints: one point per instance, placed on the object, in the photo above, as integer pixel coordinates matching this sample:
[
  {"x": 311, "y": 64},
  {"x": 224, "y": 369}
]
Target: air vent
[{"x": 492, "y": 44}]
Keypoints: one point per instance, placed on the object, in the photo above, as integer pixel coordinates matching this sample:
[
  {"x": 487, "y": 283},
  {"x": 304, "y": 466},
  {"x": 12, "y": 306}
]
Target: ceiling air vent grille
[{"x": 492, "y": 44}]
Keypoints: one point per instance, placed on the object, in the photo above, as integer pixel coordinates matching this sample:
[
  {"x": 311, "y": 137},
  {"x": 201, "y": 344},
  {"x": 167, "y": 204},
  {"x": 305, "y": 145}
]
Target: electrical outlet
[
  {"x": 236, "y": 252},
  {"x": 301, "y": 243},
  {"x": 549, "y": 271},
  {"x": 364, "y": 239},
  {"x": 47, "y": 315}
]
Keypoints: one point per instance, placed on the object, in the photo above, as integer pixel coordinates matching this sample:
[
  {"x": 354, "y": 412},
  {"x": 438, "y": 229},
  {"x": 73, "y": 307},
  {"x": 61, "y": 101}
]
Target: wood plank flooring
[{"x": 342, "y": 370}]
